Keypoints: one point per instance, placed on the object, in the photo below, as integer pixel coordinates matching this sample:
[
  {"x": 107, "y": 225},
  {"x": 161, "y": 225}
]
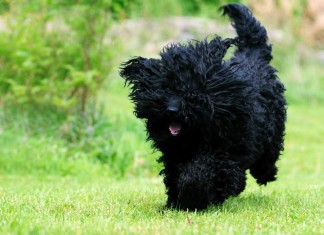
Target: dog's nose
[{"x": 173, "y": 107}]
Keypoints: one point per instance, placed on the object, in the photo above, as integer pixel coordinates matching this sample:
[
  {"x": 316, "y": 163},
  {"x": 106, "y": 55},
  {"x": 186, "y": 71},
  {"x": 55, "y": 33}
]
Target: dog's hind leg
[{"x": 264, "y": 169}]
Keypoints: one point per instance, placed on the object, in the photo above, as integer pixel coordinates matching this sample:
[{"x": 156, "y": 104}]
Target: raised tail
[{"x": 251, "y": 34}]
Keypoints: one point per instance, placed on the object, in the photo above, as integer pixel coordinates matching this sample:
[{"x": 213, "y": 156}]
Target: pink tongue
[{"x": 175, "y": 128}]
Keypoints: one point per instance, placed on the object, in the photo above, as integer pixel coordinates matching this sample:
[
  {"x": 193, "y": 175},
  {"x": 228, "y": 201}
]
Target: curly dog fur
[{"x": 212, "y": 119}]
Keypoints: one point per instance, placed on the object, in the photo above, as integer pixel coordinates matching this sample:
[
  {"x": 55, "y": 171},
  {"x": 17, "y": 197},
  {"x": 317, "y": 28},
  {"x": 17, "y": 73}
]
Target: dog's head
[{"x": 188, "y": 90}]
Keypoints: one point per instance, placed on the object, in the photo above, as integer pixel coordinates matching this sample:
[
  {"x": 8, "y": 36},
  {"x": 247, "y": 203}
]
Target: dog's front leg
[{"x": 208, "y": 179}]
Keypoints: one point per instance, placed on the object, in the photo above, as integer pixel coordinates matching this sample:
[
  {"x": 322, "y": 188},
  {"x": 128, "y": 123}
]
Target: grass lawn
[
  {"x": 96, "y": 204},
  {"x": 100, "y": 206}
]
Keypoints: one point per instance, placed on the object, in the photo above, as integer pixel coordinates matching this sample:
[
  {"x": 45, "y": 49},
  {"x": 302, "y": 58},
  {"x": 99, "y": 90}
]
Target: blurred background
[{"x": 64, "y": 109}]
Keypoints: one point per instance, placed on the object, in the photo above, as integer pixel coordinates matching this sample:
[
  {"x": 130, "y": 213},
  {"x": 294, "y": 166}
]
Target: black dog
[{"x": 212, "y": 119}]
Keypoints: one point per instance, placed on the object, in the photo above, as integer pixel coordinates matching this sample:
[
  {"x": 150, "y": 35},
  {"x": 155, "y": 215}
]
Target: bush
[{"x": 55, "y": 54}]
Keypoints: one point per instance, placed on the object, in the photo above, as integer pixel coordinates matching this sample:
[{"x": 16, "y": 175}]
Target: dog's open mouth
[{"x": 175, "y": 128}]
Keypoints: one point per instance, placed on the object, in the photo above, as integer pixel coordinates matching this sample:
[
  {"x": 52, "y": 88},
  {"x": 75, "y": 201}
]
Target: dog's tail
[{"x": 251, "y": 34}]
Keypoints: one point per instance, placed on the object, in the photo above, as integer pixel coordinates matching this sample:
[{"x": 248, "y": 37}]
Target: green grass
[
  {"x": 85, "y": 199},
  {"x": 66, "y": 205}
]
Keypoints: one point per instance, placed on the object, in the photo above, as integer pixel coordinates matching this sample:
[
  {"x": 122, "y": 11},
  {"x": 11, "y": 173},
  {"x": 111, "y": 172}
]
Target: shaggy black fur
[{"x": 212, "y": 119}]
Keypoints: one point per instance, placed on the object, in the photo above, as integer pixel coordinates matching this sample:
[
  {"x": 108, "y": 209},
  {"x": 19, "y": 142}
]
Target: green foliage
[
  {"x": 148, "y": 8},
  {"x": 301, "y": 73},
  {"x": 195, "y": 7},
  {"x": 93, "y": 136},
  {"x": 55, "y": 54},
  {"x": 296, "y": 21},
  {"x": 53, "y": 143},
  {"x": 4, "y": 6}
]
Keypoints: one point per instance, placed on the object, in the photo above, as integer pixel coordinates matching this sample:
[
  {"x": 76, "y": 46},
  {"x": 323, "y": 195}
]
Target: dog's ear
[
  {"x": 140, "y": 72},
  {"x": 218, "y": 49},
  {"x": 132, "y": 69}
]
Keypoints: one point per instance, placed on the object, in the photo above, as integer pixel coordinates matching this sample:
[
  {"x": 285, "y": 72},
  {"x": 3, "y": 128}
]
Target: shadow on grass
[
  {"x": 247, "y": 202},
  {"x": 253, "y": 202}
]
